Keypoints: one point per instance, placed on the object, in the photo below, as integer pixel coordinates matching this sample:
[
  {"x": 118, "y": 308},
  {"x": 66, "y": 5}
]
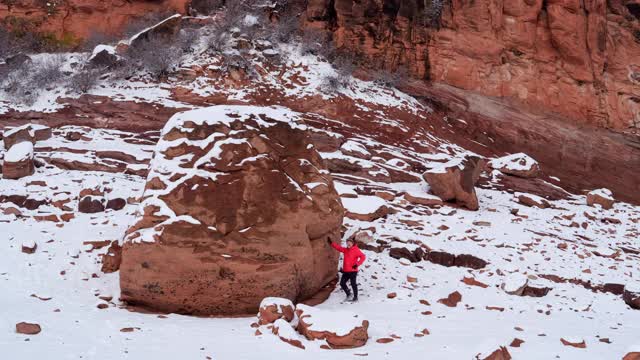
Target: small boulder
[
  {"x": 602, "y": 197},
  {"x": 500, "y": 354},
  {"x": 455, "y": 180},
  {"x": 91, "y": 204},
  {"x": 274, "y": 308},
  {"x": 29, "y": 246},
  {"x": 632, "y": 356},
  {"x": 576, "y": 343},
  {"x": 520, "y": 164},
  {"x": 452, "y": 300},
  {"x": 18, "y": 161},
  {"x": 28, "y": 328},
  {"x": 341, "y": 330},
  {"x": 116, "y": 204},
  {"x": 104, "y": 56}
]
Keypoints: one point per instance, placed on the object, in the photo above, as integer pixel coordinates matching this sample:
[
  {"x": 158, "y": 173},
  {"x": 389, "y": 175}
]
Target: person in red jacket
[{"x": 351, "y": 261}]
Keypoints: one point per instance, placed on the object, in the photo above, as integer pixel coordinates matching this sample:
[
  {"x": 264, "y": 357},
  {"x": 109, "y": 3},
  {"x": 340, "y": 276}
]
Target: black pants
[{"x": 351, "y": 277}]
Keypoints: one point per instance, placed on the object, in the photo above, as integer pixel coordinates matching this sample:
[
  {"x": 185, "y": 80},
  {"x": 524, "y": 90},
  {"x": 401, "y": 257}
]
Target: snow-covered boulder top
[
  {"x": 519, "y": 164},
  {"x": 341, "y": 329},
  {"x": 237, "y": 191},
  {"x": 19, "y": 152},
  {"x": 28, "y": 132},
  {"x": 602, "y": 197}
]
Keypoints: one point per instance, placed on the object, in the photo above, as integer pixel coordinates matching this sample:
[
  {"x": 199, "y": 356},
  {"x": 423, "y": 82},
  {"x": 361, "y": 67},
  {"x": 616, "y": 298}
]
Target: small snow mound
[
  {"x": 519, "y": 164},
  {"x": 340, "y": 323}
]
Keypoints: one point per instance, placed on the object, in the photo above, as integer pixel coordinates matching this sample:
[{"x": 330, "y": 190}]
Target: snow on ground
[{"x": 66, "y": 293}]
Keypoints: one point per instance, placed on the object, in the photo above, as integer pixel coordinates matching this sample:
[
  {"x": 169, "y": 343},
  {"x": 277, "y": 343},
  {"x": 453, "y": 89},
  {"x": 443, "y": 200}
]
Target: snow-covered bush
[{"x": 84, "y": 80}]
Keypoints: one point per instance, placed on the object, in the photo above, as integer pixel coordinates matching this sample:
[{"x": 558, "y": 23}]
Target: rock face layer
[
  {"x": 76, "y": 19},
  {"x": 237, "y": 207},
  {"x": 576, "y": 58}
]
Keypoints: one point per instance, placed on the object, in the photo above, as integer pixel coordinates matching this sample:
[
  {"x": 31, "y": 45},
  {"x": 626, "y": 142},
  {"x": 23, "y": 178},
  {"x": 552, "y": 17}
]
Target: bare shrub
[
  {"x": 47, "y": 71},
  {"x": 84, "y": 80},
  {"x": 186, "y": 40},
  {"x": 285, "y": 29},
  {"x": 317, "y": 42},
  {"x": 19, "y": 88},
  {"x": 155, "y": 56},
  {"x": 391, "y": 78},
  {"x": 205, "y": 7}
]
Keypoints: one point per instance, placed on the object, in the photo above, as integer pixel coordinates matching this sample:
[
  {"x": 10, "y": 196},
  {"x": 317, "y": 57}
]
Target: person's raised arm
[{"x": 335, "y": 246}]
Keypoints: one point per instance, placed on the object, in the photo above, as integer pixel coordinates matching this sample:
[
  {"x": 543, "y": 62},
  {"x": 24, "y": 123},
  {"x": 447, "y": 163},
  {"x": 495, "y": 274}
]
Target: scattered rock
[
  {"x": 404, "y": 253},
  {"x": 532, "y": 201},
  {"x": 521, "y": 165},
  {"x": 580, "y": 344},
  {"x": 422, "y": 199},
  {"x": 112, "y": 259},
  {"x": 602, "y": 197},
  {"x": 384, "y": 340},
  {"x": 456, "y": 180},
  {"x": 28, "y": 328},
  {"x": 91, "y": 204},
  {"x": 341, "y": 330},
  {"x": 116, "y": 204},
  {"x": 272, "y": 309},
  {"x": 29, "y": 246},
  {"x": 501, "y": 354},
  {"x": 391, "y": 295},
  {"x": 452, "y": 300},
  {"x": 473, "y": 282},
  {"x": 516, "y": 342},
  {"x": 461, "y": 260}
]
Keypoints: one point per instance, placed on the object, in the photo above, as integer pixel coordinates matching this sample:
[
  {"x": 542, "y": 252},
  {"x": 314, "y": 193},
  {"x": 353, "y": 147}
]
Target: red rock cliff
[
  {"x": 77, "y": 19},
  {"x": 578, "y": 58}
]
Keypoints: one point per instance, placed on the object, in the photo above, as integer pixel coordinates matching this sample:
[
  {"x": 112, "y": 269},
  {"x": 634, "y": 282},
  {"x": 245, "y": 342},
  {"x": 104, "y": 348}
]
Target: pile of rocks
[{"x": 340, "y": 330}]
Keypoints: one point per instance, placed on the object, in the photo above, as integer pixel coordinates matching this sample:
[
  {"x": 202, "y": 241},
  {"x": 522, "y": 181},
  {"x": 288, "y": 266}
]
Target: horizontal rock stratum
[{"x": 237, "y": 207}]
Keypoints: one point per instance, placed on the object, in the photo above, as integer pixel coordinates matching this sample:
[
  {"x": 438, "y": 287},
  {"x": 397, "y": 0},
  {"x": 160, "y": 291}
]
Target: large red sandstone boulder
[
  {"x": 602, "y": 197},
  {"x": 272, "y": 309},
  {"x": 455, "y": 180},
  {"x": 237, "y": 207},
  {"x": 18, "y": 161},
  {"x": 632, "y": 356},
  {"x": 341, "y": 330},
  {"x": 28, "y": 132},
  {"x": 521, "y": 165}
]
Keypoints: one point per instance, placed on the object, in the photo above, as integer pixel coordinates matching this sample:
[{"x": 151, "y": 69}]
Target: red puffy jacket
[{"x": 352, "y": 256}]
